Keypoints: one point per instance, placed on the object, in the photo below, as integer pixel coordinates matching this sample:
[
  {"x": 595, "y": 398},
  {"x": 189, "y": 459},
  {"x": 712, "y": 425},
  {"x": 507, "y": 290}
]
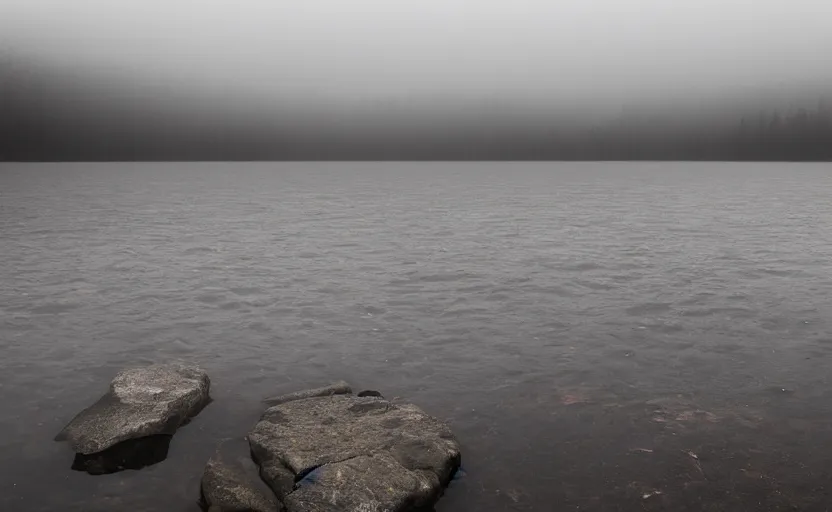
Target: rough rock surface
[
  {"x": 141, "y": 402},
  {"x": 231, "y": 483},
  {"x": 339, "y": 388},
  {"x": 349, "y": 453}
]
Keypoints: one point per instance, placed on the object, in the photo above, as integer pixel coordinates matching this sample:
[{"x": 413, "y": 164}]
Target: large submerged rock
[
  {"x": 142, "y": 402},
  {"x": 353, "y": 453}
]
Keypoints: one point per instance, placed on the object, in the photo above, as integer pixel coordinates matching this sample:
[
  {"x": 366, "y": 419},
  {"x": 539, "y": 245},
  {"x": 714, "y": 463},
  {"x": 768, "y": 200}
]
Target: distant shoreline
[{"x": 426, "y": 161}]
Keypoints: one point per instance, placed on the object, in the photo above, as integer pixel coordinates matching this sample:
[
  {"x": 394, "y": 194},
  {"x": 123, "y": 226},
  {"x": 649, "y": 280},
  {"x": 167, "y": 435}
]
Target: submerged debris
[
  {"x": 650, "y": 494},
  {"x": 695, "y": 459},
  {"x": 339, "y": 388}
]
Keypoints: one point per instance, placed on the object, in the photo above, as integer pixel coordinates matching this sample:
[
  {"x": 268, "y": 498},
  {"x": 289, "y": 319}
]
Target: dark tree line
[
  {"x": 42, "y": 118},
  {"x": 798, "y": 135}
]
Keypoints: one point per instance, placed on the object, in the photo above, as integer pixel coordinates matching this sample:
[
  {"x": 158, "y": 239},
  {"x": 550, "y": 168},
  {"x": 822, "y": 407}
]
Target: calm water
[{"x": 600, "y": 336}]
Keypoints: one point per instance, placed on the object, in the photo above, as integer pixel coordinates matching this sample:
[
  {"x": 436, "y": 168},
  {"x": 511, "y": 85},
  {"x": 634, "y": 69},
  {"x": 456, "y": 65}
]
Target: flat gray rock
[
  {"x": 349, "y": 453},
  {"x": 141, "y": 402},
  {"x": 231, "y": 482},
  {"x": 339, "y": 388},
  {"x": 366, "y": 483}
]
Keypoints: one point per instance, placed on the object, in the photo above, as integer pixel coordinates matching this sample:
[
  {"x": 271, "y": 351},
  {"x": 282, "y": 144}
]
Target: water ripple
[{"x": 604, "y": 308}]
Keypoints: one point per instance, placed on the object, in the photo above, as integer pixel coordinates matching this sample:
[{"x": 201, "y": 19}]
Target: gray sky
[{"x": 561, "y": 49}]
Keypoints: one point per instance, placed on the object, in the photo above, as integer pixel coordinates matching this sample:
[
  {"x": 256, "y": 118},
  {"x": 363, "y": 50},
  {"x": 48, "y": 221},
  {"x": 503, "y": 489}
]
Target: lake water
[{"x": 600, "y": 336}]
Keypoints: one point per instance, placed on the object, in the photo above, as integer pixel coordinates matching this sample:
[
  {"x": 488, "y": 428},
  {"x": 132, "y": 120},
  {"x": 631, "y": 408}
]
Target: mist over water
[
  {"x": 430, "y": 80},
  {"x": 570, "y": 51}
]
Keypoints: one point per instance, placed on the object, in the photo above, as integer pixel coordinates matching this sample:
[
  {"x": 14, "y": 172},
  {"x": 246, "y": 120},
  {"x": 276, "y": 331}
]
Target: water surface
[{"x": 600, "y": 336}]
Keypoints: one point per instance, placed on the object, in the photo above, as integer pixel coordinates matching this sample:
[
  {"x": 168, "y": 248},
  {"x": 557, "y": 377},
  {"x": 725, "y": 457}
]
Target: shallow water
[{"x": 639, "y": 336}]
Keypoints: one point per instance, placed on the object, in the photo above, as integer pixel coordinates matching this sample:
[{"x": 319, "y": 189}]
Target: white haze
[{"x": 566, "y": 51}]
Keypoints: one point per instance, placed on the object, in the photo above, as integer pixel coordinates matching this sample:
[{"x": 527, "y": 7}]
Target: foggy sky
[{"x": 356, "y": 49}]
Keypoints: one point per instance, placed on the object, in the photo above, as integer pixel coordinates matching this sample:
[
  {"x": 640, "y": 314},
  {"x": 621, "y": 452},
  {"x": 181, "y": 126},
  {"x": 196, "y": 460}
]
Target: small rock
[
  {"x": 339, "y": 388},
  {"x": 141, "y": 402},
  {"x": 231, "y": 482}
]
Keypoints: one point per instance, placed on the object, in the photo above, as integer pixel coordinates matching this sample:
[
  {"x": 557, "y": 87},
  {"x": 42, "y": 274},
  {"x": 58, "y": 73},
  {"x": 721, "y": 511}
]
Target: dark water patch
[
  {"x": 444, "y": 277},
  {"x": 581, "y": 267},
  {"x": 74, "y": 280},
  {"x": 700, "y": 313},
  {"x": 779, "y": 391},
  {"x": 54, "y": 308},
  {"x": 515, "y": 281},
  {"x": 729, "y": 312},
  {"x": 446, "y": 341},
  {"x": 628, "y": 278},
  {"x": 730, "y": 257},
  {"x": 780, "y": 324},
  {"x": 372, "y": 310},
  {"x": 727, "y": 348},
  {"x": 737, "y": 297},
  {"x": 260, "y": 327},
  {"x": 463, "y": 311},
  {"x": 555, "y": 325},
  {"x": 23, "y": 309},
  {"x": 182, "y": 345},
  {"x": 133, "y": 454},
  {"x": 553, "y": 291},
  {"x": 209, "y": 298},
  {"x": 749, "y": 274},
  {"x": 198, "y": 250},
  {"x": 594, "y": 285},
  {"x": 792, "y": 273},
  {"x": 475, "y": 288},
  {"x": 497, "y": 297},
  {"x": 245, "y": 291},
  {"x": 698, "y": 299},
  {"x": 667, "y": 328},
  {"x": 649, "y": 308}
]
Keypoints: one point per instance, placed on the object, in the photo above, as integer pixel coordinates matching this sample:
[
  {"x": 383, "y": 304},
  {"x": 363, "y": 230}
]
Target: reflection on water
[
  {"x": 599, "y": 336},
  {"x": 132, "y": 454}
]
